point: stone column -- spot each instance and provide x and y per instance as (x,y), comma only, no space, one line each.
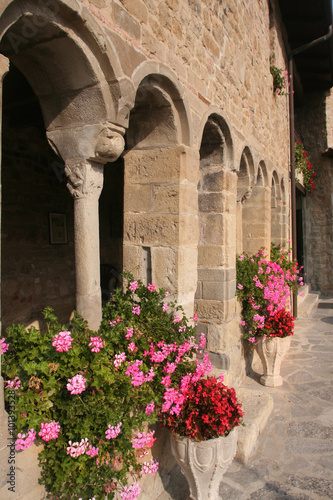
(85,182)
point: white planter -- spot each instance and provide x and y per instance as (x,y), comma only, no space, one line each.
(204,463)
(271,352)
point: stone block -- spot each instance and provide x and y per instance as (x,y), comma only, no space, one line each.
(211,45)
(213,290)
(152,229)
(257,408)
(189,164)
(213,274)
(188,230)
(125,21)
(137,198)
(188,199)
(131,258)
(211,255)
(210,309)
(164,268)
(210,202)
(153,165)
(187,269)
(166,198)
(137,8)
(213,229)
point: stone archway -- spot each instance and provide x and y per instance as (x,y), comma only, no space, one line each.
(56,45)
(245,215)
(256,214)
(276,211)
(216,261)
(160,202)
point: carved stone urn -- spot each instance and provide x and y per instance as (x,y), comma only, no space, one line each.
(271,351)
(204,463)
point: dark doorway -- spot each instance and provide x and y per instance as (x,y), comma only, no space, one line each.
(36,269)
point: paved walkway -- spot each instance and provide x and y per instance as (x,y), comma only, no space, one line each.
(294,455)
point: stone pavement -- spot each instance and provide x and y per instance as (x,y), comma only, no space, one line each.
(293,458)
(294,454)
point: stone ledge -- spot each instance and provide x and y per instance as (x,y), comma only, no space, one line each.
(308,303)
(257,408)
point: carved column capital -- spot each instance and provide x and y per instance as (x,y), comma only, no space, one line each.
(110,144)
(84,177)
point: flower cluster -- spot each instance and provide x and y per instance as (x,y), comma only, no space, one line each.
(62,341)
(90,397)
(77,384)
(25,441)
(3,346)
(281,81)
(96,344)
(77,449)
(49,430)
(208,410)
(113,431)
(264,288)
(304,167)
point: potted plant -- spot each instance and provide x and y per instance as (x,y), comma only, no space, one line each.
(90,397)
(264,289)
(304,168)
(281,82)
(203,418)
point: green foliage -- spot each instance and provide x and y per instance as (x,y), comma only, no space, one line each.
(110,396)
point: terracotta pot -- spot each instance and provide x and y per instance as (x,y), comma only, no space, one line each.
(271,352)
(204,463)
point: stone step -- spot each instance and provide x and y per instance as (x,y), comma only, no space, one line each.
(307,303)
(257,408)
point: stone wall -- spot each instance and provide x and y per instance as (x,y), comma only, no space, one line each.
(35,273)
(316,135)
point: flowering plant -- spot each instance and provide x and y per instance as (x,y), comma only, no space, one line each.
(209,409)
(264,289)
(304,167)
(90,396)
(281,82)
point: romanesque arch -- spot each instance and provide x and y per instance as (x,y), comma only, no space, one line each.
(216,260)
(160,203)
(276,210)
(61,52)
(245,216)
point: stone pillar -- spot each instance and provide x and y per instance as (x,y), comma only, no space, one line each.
(256,220)
(85,182)
(161,219)
(215,297)
(85,185)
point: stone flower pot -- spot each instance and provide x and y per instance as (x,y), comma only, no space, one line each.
(271,351)
(204,463)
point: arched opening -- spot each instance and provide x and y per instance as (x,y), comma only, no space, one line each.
(111,222)
(69,69)
(276,211)
(160,203)
(246,213)
(216,258)
(37,254)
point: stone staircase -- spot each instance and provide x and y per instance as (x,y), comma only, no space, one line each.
(307,302)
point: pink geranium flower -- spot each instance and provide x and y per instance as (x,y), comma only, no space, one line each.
(62,341)
(49,430)
(76,385)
